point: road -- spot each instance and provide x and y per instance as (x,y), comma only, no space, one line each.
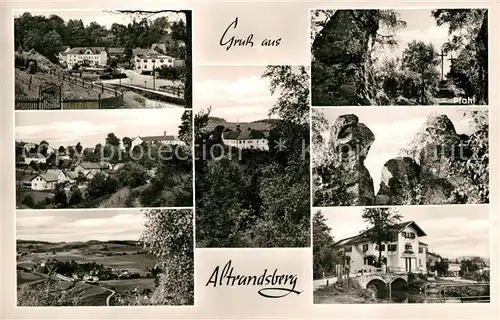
(137,79)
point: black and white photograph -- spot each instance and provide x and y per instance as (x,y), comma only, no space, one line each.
(399,57)
(109,59)
(104,160)
(135,257)
(400,156)
(252,167)
(401,255)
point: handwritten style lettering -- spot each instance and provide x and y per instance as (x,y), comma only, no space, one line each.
(275,285)
(233,41)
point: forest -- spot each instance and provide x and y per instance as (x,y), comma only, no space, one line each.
(255,198)
(349,67)
(47,35)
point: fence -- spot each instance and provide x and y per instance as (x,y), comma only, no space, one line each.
(50,98)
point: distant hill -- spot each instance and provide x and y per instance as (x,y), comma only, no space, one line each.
(120,245)
(262,125)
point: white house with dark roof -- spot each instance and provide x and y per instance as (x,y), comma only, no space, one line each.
(405,254)
(47,180)
(246,139)
(158,140)
(91,56)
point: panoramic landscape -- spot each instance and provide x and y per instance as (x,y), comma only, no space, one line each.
(401,255)
(252,166)
(102,59)
(105,258)
(80,160)
(399,57)
(400,156)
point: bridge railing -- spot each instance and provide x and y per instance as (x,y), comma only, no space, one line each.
(459,296)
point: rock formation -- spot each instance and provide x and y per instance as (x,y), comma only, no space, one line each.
(341,68)
(350,142)
(429,179)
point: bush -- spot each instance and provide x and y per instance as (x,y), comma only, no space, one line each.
(28,201)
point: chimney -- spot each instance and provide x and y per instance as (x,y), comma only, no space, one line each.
(164,133)
(238,127)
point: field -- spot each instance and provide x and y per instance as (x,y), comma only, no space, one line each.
(121,255)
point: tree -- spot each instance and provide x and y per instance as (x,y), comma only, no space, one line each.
(61,150)
(382,226)
(468,29)
(422,59)
(127,143)
(75,197)
(133,175)
(441,267)
(324,256)
(112,140)
(186,128)
(169,235)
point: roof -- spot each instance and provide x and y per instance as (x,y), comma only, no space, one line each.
(141,51)
(244,135)
(422,243)
(35,155)
(363,236)
(93,165)
(116,50)
(160,46)
(433,254)
(159,138)
(81,50)
(72,174)
(49,175)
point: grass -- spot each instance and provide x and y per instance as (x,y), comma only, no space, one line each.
(69,90)
(26,277)
(129,284)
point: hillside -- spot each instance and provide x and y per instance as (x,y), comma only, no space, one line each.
(263,124)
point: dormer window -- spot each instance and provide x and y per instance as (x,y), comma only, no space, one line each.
(365,247)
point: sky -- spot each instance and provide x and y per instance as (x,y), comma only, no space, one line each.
(91,127)
(106,18)
(79,225)
(452,231)
(394,128)
(420,26)
(235,93)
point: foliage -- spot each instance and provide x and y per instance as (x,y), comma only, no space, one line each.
(475,169)
(382,226)
(324,256)
(28,201)
(169,235)
(468,29)
(44,295)
(75,196)
(101,185)
(133,175)
(256,198)
(422,59)
(441,267)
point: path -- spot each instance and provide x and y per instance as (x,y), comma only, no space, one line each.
(109,297)
(322,282)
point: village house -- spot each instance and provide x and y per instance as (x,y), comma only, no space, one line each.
(116,52)
(432,259)
(62,55)
(246,139)
(405,254)
(90,169)
(36,158)
(90,56)
(157,140)
(49,179)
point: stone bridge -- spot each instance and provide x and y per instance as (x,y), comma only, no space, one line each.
(377,279)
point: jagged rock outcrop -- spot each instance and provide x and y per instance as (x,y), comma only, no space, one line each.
(341,66)
(429,179)
(350,141)
(399,180)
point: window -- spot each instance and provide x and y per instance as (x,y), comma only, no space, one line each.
(161,60)
(154,60)
(382,248)
(145,60)
(403,234)
(408,248)
(365,247)
(137,60)
(420,249)
(348,249)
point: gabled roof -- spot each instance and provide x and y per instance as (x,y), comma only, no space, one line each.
(160,46)
(93,165)
(82,50)
(159,138)
(116,50)
(48,176)
(244,135)
(363,236)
